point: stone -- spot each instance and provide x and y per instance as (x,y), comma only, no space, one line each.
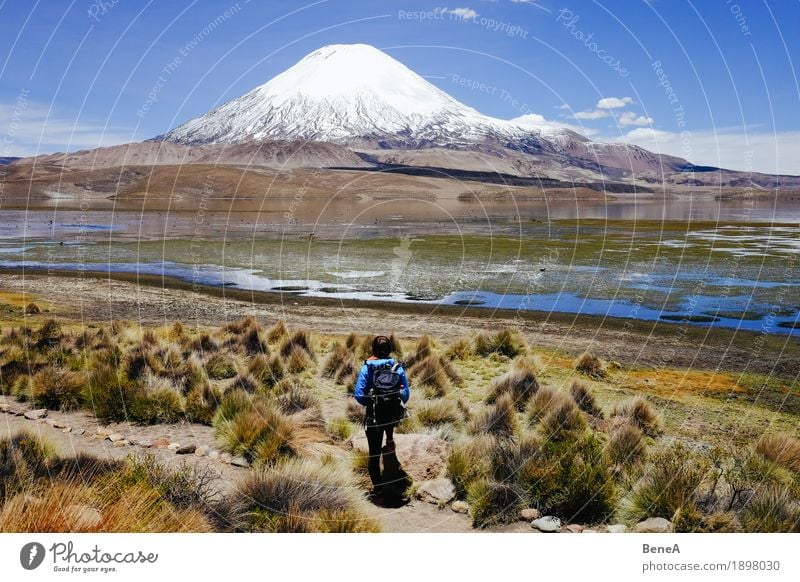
(437,491)
(16,411)
(161,443)
(653,525)
(78,431)
(547,524)
(573,528)
(139,443)
(617,528)
(213,455)
(115,437)
(530,514)
(202,451)
(240,462)
(186,449)
(83,517)
(225,458)
(122,443)
(460,507)
(56,423)
(4,406)
(421,456)
(36,414)
(103,432)
(173,446)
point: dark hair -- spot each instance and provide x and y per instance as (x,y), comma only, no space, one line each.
(381,347)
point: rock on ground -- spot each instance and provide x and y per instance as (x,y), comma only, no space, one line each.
(460,507)
(530,514)
(186,450)
(617,528)
(653,525)
(438,491)
(548,523)
(36,414)
(422,456)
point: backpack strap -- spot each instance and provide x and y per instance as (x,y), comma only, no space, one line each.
(396,365)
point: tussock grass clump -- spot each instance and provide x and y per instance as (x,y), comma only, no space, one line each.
(233,402)
(346,375)
(583,397)
(468,461)
(268,371)
(782,449)
(338,357)
(543,402)
(296,398)
(520,383)
(49,334)
(626,445)
(301,339)
(506,342)
(160,406)
(277,332)
(204,343)
(499,419)
(352,341)
(437,412)
(590,365)
(32,309)
(257,430)
(772,510)
(202,402)
(300,496)
(641,414)
(460,349)
(430,374)
(494,503)
(670,483)
(221,366)
(355,412)
(297,360)
(252,341)
(109,393)
(195,375)
(57,389)
(23,459)
(149,337)
(186,487)
(423,350)
(339,428)
(562,422)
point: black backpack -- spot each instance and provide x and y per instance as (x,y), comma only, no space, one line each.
(386,405)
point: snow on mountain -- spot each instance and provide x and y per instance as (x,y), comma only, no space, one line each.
(355,95)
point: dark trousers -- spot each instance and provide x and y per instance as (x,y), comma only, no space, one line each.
(375,442)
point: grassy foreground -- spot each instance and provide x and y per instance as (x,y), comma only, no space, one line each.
(589,441)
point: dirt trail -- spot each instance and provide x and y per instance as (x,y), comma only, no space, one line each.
(415,517)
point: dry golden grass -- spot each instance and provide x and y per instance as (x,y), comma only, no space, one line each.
(641,414)
(590,365)
(782,449)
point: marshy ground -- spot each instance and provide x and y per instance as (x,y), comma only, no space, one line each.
(265,379)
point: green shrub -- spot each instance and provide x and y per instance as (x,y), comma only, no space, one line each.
(437,412)
(161,406)
(23,459)
(772,510)
(109,393)
(202,403)
(233,402)
(340,428)
(296,398)
(459,350)
(268,371)
(543,402)
(469,461)
(562,422)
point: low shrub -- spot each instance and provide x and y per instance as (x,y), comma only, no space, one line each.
(161,406)
(297,360)
(296,398)
(423,350)
(469,461)
(202,403)
(562,422)
(299,340)
(340,428)
(246,382)
(460,349)
(772,510)
(543,402)
(268,371)
(32,309)
(277,332)
(221,366)
(23,459)
(437,412)
(355,412)
(430,374)
(494,503)
(338,357)
(109,393)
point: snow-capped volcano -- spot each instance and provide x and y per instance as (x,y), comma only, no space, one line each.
(353,94)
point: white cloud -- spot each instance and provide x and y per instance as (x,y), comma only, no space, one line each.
(564,106)
(592,114)
(771,153)
(534,120)
(613,102)
(29,128)
(463,13)
(627,118)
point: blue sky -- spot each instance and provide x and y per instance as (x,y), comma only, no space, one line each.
(714,82)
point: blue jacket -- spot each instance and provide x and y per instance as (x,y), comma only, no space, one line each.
(361,388)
